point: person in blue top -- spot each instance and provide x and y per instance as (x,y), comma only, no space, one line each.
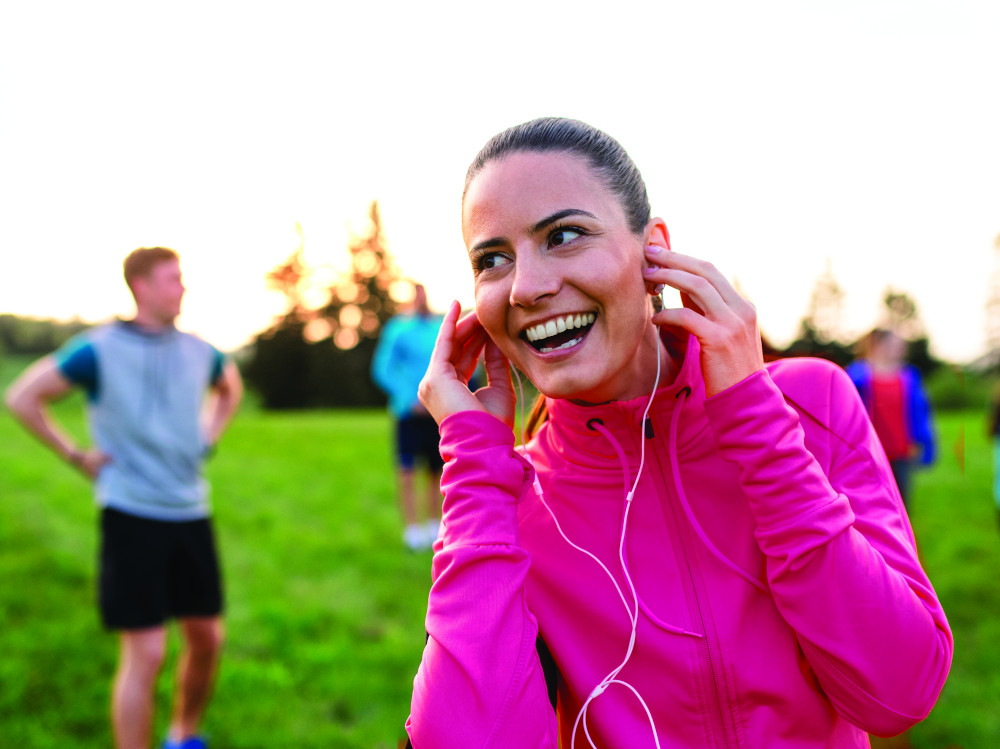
(400,361)
(146,384)
(897,404)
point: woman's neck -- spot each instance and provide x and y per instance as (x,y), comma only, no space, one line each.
(640,372)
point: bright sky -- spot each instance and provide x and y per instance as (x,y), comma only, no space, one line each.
(774,136)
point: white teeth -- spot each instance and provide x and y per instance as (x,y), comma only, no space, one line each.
(547,349)
(559,325)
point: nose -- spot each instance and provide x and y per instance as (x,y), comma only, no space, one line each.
(535,277)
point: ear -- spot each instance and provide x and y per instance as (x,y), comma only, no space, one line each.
(656,233)
(139,288)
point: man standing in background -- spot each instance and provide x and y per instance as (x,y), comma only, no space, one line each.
(146,384)
(400,361)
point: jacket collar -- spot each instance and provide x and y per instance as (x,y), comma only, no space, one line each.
(567,431)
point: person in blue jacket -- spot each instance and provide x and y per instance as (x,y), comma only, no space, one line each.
(897,404)
(400,361)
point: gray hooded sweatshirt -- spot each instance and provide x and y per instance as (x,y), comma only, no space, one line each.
(145,392)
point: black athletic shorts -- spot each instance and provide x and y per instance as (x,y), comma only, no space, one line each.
(417,437)
(152,570)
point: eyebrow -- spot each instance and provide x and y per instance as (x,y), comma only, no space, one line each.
(559,215)
(535,228)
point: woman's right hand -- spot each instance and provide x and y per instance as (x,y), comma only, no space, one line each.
(444,389)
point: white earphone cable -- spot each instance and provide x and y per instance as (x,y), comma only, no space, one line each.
(633,613)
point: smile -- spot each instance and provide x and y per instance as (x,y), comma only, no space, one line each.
(559,332)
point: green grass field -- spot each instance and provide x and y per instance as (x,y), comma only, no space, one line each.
(325,609)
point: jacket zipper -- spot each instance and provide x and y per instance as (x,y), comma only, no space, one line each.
(712,660)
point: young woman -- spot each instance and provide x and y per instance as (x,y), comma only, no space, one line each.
(704,551)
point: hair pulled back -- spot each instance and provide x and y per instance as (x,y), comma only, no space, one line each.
(605,156)
(602,153)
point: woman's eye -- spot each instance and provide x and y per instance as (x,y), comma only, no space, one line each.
(562,236)
(493,260)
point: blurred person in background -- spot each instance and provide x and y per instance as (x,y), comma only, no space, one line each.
(994,429)
(146,384)
(400,361)
(897,404)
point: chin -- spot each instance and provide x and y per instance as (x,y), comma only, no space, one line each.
(570,388)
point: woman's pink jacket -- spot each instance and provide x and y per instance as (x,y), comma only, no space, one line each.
(780,599)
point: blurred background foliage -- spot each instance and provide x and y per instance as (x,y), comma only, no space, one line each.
(317,354)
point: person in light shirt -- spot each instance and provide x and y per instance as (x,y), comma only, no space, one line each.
(146,383)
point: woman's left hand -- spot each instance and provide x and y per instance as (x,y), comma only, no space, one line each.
(724,323)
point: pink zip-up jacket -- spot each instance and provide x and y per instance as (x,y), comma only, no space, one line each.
(781,603)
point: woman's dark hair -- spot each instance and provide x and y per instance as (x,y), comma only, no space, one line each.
(602,153)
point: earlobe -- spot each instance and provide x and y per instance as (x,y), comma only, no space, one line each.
(657,233)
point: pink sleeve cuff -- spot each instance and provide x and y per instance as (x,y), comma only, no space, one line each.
(482,481)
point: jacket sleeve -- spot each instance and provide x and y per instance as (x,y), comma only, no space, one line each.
(840,556)
(480,682)
(921,419)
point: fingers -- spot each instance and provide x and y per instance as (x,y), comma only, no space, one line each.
(444,387)
(701,284)
(724,323)
(459,343)
(497,367)
(470,337)
(498,395)
(446,335)
(92,462)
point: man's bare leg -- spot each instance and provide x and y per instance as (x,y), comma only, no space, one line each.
(196,669)
(413,533)
(433,504)
(139,662)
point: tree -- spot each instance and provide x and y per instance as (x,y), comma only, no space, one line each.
(36,337)
(321,357)
(362,303)
(288,278)
(900,315)
(991,360)
(826,306)
(820,330)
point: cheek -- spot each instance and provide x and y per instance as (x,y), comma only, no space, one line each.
(623,281)
(491,309)
(629,304)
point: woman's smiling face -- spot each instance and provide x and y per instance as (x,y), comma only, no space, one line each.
(558,277)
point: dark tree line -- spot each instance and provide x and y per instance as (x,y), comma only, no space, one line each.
(820,330)
(35,337)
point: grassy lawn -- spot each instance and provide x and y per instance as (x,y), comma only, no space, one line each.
(956,524)
(325,609)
